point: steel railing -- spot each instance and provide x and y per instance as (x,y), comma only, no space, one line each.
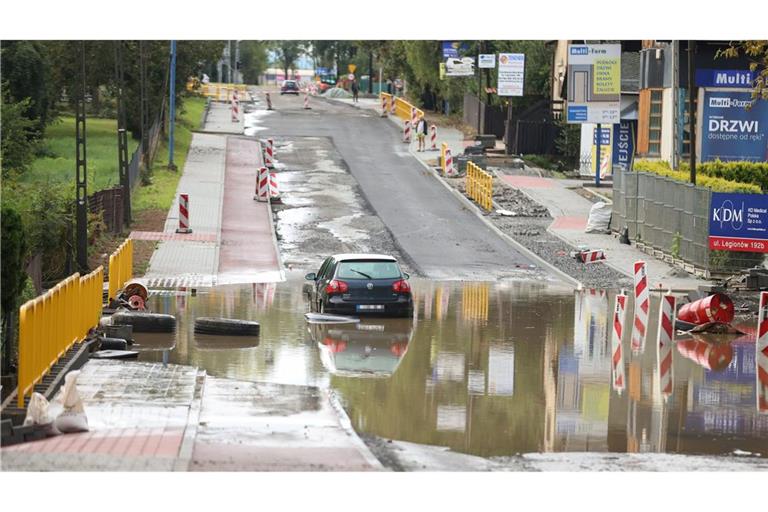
(120,268)
(50,324)
(403,109)
(479,186)
(223,92)
(474,301)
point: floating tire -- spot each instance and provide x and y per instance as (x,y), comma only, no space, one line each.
(145,322)
(226,326)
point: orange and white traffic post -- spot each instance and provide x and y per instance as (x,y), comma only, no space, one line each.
(184,214)
(666,340)
(617,354)
(642,305)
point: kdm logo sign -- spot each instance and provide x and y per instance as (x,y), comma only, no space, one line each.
(728,213)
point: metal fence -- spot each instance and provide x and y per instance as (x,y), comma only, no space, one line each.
(531,137)
(670,220)
(492,118)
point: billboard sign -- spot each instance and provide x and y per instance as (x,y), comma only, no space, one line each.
(594,83)
(738,222)
(731,132)
(605,151)
(734,78)
(511,74)
(456,59)
(624,145)
(487,60)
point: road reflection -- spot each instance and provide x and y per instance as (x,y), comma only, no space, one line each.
(491,368)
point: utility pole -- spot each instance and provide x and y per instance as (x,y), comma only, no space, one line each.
(229,61)
(172,106)
(143,105)
(81,170)
(370,73)
(479,87)
(122,135)
(237,61)
(691,108)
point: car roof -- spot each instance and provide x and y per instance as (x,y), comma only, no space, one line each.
(362,256)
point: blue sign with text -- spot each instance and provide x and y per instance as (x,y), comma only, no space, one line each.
(736,78)
(454,49)
(732,132)
(624,145)
(738,222)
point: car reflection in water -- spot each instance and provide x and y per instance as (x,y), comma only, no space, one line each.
(371,348)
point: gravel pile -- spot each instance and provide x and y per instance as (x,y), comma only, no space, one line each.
(529,227)
(337,92)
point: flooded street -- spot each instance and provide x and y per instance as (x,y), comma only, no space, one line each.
(489,369)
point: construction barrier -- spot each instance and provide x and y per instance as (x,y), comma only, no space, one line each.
(184,214)
(617,354)
(269,154)
(666,340)
(306,102)
(274,192)
(262,184)
(383,106)
(406,131)
(715,308)
(224,92)
(433,137)
(403,109)
(393,105)
(269,101)
(479,185)
(592,256)
(642,304)
(120,268)
(761,352)
(50,324)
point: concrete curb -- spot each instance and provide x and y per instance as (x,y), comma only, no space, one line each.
(514,243)
(346,425)
(187,447)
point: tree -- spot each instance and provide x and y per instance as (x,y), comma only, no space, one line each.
(13,276)
(287,52)
(757,52)
(26,72)
(18,137)
(253,60)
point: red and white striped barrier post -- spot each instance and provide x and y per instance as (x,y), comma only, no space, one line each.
(433,137)
(761,355)
(235,109)
(406,131)
(449,170)
(269,101)
(269,154)
(274,192)
(262,184)
(383,106)
(642,304)
(414,117)
(666,339)
(184,214)
(306,102)
(617,355)
(392,104)
(597,256)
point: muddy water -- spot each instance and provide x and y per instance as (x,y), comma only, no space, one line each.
(490,369)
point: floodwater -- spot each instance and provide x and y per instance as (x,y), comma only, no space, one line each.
(490,369)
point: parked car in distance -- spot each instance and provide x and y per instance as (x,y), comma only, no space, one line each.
(354,284)
(289,87)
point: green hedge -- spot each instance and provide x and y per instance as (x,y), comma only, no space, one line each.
(717,184)
(742,172)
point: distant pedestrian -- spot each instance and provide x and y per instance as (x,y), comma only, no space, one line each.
(421,132)
(389,86)
(355,90)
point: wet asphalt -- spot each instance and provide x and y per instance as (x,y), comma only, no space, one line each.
(438,237)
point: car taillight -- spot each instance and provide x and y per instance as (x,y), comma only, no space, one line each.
(401,286)
(335,287)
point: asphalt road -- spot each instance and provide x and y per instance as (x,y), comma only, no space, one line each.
(439,236)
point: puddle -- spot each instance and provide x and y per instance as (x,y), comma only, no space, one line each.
(490,369)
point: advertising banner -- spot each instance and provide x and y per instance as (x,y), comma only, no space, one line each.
(456,59)
(594,83)
(624,145)
(738,222)
(731,132)
(605,151)
(511,74)
(735,78)
(487,60)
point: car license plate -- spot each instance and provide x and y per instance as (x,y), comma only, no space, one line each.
(370,307)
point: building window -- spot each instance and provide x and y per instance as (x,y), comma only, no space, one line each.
(685,150)
(654,124)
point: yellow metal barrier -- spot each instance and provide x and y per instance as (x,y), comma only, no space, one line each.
(443,149)
(223,92)
(479,186)
(402,107)
(120,268)
(50,324)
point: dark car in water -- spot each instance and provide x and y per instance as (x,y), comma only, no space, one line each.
(289,87)
(354,284)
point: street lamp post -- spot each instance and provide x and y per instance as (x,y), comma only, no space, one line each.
(172,106)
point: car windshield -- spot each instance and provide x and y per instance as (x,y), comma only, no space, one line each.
(368,270)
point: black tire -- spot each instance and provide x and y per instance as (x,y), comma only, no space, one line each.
(145,322)
(226,326)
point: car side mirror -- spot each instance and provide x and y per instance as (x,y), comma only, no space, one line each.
(311,277)
(406,275)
